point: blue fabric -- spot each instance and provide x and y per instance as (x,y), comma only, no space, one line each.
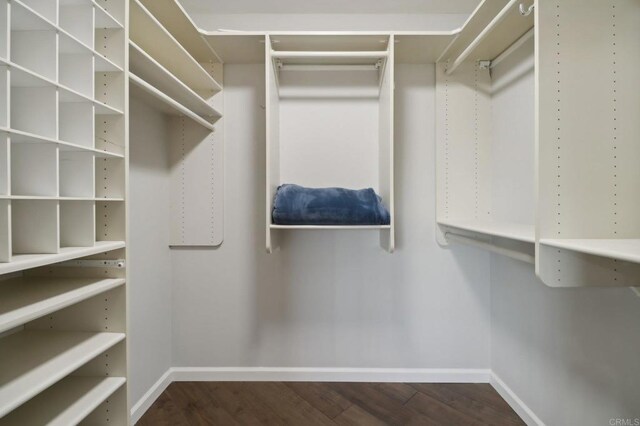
(297,205)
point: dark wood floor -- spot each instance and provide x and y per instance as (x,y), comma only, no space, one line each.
(275,403)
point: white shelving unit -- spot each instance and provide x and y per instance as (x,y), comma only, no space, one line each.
(63,158)
(304,134)
(176,72)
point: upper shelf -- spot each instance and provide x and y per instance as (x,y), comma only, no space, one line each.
(152,37)
(490,30)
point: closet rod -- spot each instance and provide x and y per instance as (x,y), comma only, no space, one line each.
(494,22)
(314,67)
(326,54)
(509,50)
(491,247)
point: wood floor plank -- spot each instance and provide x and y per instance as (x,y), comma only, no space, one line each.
(356,416)
(233,398)
(255,406)
(372,400)
(440,412)
(196,407)
(322,397)
(163,412)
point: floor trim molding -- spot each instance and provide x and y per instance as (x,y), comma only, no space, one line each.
(154,392)
(518,405)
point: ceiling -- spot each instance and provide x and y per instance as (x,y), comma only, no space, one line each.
(331,6)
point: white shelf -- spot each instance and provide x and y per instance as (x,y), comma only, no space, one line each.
(621,249)
(66,403)
(512,231)
(20,136)
(147,68)
(53,198)
(104,19)
(34,360)
(148,33)
(25,299)
(21,262)
(151,95)
(329,227)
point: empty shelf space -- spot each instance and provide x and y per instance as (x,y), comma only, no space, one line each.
(68,402)
(621,249)
(34,360)
(104,19)
(21,262)
(512,231)
(147,68)
(151,95)
(25,299)
(148,33)
(26,18)
(330,227)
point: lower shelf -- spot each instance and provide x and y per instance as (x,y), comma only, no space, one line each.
(621,249)
(34,360)
(21,262)
(337,227)
(66,403)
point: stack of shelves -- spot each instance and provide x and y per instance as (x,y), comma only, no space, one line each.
(62,197)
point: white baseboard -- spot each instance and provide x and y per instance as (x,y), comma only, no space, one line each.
(525,413)
(141,407)
(256,374)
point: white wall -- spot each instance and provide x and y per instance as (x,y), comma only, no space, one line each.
(570,354)
(330,298)
(150,312)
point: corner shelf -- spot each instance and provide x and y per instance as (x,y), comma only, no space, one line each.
(34,360)
(68,402)
(23,300)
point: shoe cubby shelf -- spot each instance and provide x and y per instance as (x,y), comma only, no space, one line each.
(584,123)
(63,161)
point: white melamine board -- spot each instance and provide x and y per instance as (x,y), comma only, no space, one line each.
(272,144)
(238,48)
(34,360)
(104,19)
(110,220)
(5,231)
(26,18)
(151,71)
(24,137)
(512,231)
(110,134)
(420,49)
(76,72)
(109,89)
(386,145)
(35,227)
(46,8)
(114,8)
(34,169)
(588,132)
(623,249)
(330,42)
(25,299)
(110,44)
(463,148)
(77,223)
(110,178)
(77,19)
(113,411)
(36,51)
(4,96)
(197,164)
(28,261)
(4,30)
(68,402)
(77,174)
(5,176)
(76,123)
(33,110)
(148,33)
(175,19)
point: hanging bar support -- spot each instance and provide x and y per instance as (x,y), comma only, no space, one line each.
(86,263)
(509,50)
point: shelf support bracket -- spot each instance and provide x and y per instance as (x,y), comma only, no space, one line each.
(86,263)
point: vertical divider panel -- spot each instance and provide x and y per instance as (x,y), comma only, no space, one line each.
(272,104)
(5,164)
(4,29)
(5,231)
(4,96)
(386,145)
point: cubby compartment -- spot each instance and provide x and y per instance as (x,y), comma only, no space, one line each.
(115,9)
(33,41)
(76,123)
(45,8)
(34,169)
(77,223)
(76,18)
(109,43)
(5,145)
(4,96)
(109,89)
(34,227)
(5,231)
(109,178)
(76,72)
(4,29)
(110,220)
(33,110)
(110,133)
(77,174)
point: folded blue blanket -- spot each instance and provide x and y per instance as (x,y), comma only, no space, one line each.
(297,205)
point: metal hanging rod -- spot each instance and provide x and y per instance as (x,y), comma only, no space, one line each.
(526,11)
(514,254)
(336,67)
(328,55)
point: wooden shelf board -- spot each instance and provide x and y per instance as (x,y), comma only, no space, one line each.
(512,231)
(68,402)
(148,33)
(147,68)
(621,249)
(18,136)
(20,262)
(34,360)
(149,94)
(329,227)
(25,299)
